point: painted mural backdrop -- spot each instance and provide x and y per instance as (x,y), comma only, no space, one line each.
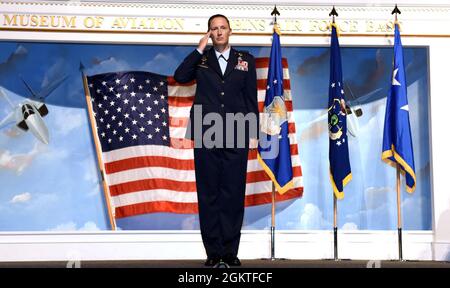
(49,179)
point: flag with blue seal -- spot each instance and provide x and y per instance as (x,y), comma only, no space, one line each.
(274,152)
(340,171)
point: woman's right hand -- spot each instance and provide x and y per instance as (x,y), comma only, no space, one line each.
(204,41)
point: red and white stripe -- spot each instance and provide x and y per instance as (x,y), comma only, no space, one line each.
(151,178)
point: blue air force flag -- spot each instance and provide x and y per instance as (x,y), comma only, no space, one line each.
(340,172)
(397,142)
(274,152)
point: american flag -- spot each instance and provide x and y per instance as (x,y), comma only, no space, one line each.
(141,121)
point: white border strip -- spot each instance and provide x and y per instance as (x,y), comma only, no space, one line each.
(165,245)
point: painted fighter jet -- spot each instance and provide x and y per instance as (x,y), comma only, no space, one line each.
(28,114)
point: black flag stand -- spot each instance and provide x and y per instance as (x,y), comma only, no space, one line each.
(399,208)
(335,229)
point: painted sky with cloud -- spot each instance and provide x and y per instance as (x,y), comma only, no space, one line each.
(57,186)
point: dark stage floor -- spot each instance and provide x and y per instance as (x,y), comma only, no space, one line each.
(245,264)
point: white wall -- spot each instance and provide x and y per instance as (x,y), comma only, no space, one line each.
(165,245)
(439,63)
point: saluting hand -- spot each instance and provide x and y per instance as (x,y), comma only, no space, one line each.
(204,41)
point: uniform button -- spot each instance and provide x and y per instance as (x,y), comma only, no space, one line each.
(221,105)
(222,93)
(223,81)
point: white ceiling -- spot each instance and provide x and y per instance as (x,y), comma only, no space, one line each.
(427,3)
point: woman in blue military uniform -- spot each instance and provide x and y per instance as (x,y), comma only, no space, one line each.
(226,88)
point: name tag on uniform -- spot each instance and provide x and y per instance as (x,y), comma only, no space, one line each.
(242,65)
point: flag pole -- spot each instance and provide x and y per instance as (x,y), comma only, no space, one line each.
(396,11)
(335,228)
(274,86)
(272,227)
(333,13)
(399,217)
(97,148)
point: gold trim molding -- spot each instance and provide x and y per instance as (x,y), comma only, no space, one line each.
(236,33)
(297,20)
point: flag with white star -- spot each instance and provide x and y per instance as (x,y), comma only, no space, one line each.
(397,140)
(130,109)
(340,171)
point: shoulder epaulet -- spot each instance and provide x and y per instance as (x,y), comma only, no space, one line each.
(242,52)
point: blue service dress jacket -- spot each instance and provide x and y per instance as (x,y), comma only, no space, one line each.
(227,95)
